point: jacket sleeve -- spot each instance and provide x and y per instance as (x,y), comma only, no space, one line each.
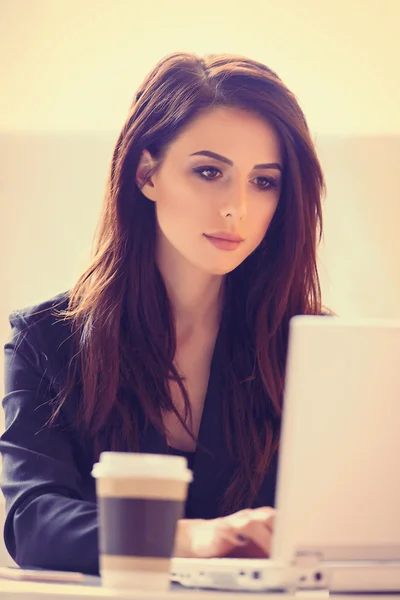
(48,524)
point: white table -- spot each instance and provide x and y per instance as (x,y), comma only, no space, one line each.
(22,590)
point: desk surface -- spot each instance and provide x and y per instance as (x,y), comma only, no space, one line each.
(23,590)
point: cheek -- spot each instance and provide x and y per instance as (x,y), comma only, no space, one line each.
(174,219)
(181,206)
(259,220)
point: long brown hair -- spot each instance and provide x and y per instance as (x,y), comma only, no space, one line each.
(119,309)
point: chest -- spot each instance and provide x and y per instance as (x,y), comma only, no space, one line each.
(193,365)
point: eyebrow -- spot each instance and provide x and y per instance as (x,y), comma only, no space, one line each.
(230,163)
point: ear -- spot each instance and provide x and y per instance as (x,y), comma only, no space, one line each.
(146,185)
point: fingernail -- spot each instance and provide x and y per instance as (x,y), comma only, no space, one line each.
(242,538)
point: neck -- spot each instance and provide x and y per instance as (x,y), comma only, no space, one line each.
(196,296)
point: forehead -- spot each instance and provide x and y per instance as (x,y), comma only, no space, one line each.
(240,135)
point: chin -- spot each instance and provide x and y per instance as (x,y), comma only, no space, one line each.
(221,269)
(221,265)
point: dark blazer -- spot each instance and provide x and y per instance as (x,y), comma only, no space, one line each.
(50,494)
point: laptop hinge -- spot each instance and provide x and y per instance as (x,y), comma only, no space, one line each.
(309,575)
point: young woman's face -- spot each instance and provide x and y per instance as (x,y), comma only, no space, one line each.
(202,199)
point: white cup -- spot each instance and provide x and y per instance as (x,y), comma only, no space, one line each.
(140,499)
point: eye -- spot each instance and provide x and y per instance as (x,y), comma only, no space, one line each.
(205,169)
(267,183)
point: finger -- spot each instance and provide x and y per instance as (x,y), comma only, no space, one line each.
(257,532)
(250,550)
(263,512)
(226,531)
(270,524)
(265,515)
(215,538)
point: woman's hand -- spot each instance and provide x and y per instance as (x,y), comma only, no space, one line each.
(247,533)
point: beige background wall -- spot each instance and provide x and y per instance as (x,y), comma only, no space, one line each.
(74,64)
(68,72)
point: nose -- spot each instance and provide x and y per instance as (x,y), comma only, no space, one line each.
(235,205)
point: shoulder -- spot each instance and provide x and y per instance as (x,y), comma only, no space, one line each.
(39,327)
(42,313)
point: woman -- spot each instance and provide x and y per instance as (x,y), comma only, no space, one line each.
(174,340)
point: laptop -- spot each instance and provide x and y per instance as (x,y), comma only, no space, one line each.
(338,490)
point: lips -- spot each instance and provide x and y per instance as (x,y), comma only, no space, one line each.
(224,240)
(225,235)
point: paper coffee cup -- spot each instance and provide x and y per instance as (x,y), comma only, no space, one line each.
(140,499)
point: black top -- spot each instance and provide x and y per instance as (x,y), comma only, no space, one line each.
(50,494)
(185,453)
